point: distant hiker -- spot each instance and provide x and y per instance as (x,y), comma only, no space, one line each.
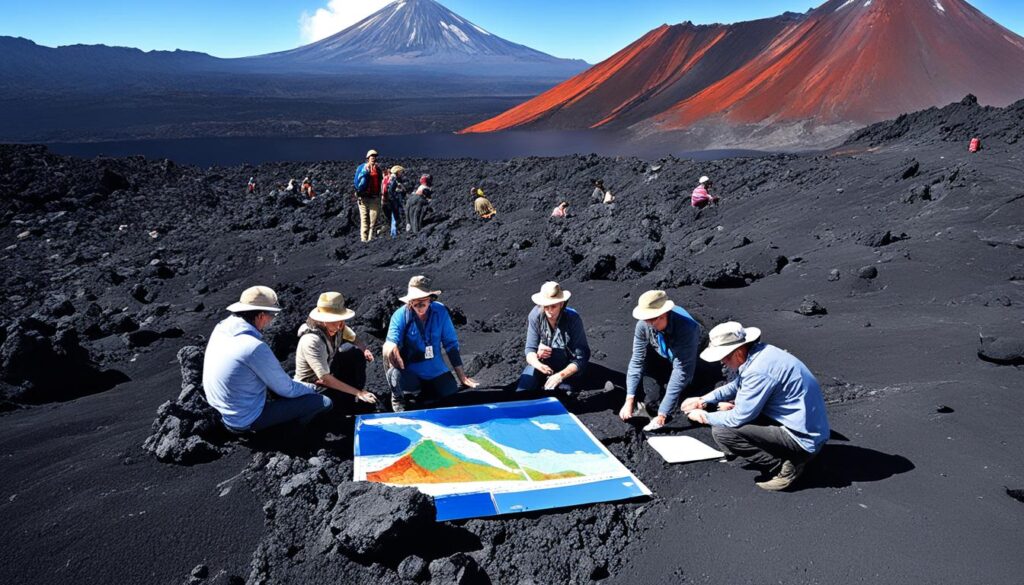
(307,188)
(251,187)
(599,191)
(561,210)
(772,413)
(239,369)
(975,145)
(416,209)
(675,338)
(418,331)
(368,180)
(393,200)
(556,343)
(481,205)
(325,340)
(291,186)
(700,197)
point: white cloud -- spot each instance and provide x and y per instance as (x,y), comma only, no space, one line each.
(336,17)
(546,426)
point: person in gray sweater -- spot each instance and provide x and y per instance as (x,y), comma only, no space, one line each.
(557,351)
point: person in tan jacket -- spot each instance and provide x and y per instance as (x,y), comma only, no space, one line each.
(482,206)
(325,338)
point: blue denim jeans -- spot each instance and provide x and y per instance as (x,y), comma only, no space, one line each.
(302,408)
(405,384)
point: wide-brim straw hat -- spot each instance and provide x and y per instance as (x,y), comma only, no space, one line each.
(725,338)
(330,308)
(551,293)
(419,287)
(256,298)
(651,304)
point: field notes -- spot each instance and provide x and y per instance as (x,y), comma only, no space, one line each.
(683,449)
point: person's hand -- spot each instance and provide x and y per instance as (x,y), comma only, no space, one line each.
(395,359)
(545,369)
(626,412)
(368,397)
(723,406)
(698,416)
(469,382)
(368,354)
(543,352)
(692,403)
(553,381)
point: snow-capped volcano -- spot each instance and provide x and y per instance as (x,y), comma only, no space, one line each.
(419,33)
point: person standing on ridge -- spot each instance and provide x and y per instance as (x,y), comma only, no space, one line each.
(368,180)
(239,369)
(772,413)
(251,188)
(674,336)
(481,205)
(393,200)
(700,198)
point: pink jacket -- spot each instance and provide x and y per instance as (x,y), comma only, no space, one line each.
(699,195)
(558,212)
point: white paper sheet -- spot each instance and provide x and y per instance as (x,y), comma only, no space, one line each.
(683,449)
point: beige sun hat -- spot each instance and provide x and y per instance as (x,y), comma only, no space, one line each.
(256,298)
(726,337)
(397,169)
(419,288)
(370,153)
(330,308)
(551,293)
(651,304)
(703,180)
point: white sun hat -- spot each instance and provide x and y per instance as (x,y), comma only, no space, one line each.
(330,308)
(703,180)
(551,293)
(726,337)
(419,288)
(651,304)
(256,298)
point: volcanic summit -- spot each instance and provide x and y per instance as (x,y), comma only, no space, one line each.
(841,65)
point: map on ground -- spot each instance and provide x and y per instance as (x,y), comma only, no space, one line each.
(492,459)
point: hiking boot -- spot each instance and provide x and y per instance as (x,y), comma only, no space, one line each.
(788,473)
(398,404)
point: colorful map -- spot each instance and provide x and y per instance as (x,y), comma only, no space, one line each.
(492,459)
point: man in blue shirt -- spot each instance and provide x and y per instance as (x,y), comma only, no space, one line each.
(772,413)
(239,368)
(675,338)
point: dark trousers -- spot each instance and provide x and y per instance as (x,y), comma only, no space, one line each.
(416,213)
(763,442)
(283,410)
(406,384)
(348,366)
(533,381)
(657,371)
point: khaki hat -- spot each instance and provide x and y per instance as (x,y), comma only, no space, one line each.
(370,153)
(419,288)
(550,294)
(397,169)
(724,338)
(651,304)
(330,308)
(256,298)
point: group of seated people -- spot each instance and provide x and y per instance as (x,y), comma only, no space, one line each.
(772,412)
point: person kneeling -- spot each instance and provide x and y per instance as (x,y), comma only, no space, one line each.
(324,337)
(239,369)
(418,332)
(771,414)
(556,343)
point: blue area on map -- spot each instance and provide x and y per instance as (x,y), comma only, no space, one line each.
(459,506)
(371,440)
(480,505)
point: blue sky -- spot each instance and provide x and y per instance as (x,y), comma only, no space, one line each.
(586,29)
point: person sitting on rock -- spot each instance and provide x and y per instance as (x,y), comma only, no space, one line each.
(239,369)
(481,205)
(556,343)
(416,209)
(772,413)
(393,199)
(675,338)
(307,188)
(561,210)
(368,180)
(325,339)
(700,197)
(418,331)
(599,191)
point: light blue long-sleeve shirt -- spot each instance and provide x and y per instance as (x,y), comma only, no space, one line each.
(413,338)
(774,383)
(239,368)
(681,339)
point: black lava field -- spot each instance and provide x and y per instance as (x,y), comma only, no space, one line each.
(893,266)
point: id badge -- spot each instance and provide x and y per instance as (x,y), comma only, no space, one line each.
(429,353)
